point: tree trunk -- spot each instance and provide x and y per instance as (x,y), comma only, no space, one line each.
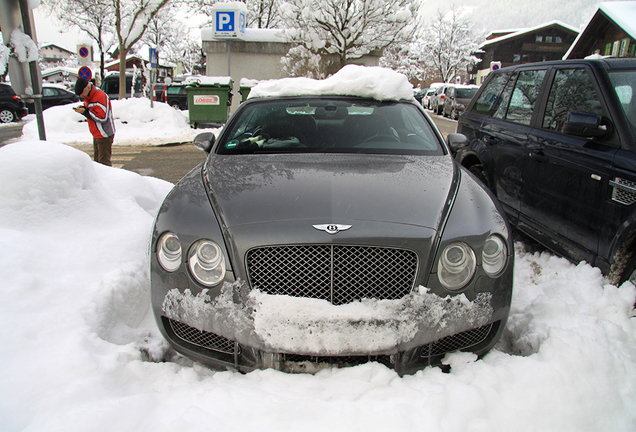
(123,53)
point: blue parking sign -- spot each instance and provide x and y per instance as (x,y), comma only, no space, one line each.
(224,21)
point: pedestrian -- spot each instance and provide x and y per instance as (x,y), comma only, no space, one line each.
(99,113)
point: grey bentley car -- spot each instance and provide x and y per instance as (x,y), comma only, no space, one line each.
(329,231)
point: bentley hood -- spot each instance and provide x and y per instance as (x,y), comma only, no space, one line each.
(253,189)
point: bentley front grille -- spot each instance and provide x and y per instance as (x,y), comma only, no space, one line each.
(456,342)
(339,274)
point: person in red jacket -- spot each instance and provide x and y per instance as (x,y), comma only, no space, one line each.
(99,113)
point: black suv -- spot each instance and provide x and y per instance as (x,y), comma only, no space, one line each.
(556,142)
(12,108)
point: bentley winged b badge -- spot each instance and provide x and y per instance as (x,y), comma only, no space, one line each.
(332,228)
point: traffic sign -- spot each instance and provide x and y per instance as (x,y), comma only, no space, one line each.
(494,65)
(85,72)
(84,56)
(229,20)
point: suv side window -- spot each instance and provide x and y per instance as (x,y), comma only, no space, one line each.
(572,90)
(524,96)
(490,97)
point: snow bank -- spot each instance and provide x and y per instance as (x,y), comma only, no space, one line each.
(80,350)
(136,123)
(352,80)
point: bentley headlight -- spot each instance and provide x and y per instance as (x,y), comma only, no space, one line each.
(456,265)
(169,252)
(206,262)
(494,255)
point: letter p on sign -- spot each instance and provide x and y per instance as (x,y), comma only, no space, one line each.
(225,21)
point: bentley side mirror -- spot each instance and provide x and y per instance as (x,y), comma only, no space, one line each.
(204,141)
(456,141)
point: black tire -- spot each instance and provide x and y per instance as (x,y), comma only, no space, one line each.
(175,105)
(6,116)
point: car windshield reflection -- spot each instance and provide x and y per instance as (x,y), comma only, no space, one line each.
(329,126)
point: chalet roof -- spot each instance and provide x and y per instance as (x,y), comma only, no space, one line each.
(623,13)
(525,31)
(56,46)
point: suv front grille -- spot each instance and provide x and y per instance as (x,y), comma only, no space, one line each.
(339,274)
(624,191)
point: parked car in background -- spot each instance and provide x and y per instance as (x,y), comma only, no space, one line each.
(456,99)
(110,85)
(419,94)
(12,108)
(160,93)
(302,205)
(437,102)
(426,100)
(556,142)
(54,95)
(177,96)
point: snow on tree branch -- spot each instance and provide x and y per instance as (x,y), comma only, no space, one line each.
(346,29)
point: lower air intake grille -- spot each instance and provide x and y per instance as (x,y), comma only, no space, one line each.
(339,361)
(456,342)
(202,338)
(339,274)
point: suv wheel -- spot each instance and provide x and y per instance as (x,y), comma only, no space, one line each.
(175,105)
(6,116)
(479,172)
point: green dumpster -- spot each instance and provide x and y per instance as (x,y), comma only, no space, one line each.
(246,85)
(209,100)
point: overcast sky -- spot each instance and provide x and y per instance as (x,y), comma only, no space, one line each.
(487,15)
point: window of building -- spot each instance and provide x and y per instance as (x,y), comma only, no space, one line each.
(548,39)
(538,39)
(624,47)
(558,39)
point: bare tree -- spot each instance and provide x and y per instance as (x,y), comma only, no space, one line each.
(347,29)
(94,17)
(449,43)
(131,21)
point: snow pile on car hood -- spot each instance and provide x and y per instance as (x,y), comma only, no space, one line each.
(352,80)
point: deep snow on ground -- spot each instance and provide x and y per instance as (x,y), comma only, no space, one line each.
(80,350)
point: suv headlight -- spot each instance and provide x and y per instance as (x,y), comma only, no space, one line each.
(206,262)
(456,266)
(169,252)
(494,255)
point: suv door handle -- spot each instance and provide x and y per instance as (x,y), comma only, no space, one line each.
(539,157)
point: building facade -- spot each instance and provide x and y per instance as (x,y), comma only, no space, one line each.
(548,41)
(610,32)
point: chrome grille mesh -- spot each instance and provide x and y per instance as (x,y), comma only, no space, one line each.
(456,342)
(202,338)
(624,191)
(339,274)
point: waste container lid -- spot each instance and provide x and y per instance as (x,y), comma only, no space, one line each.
(208,80)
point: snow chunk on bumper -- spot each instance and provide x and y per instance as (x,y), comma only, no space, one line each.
(277,323)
